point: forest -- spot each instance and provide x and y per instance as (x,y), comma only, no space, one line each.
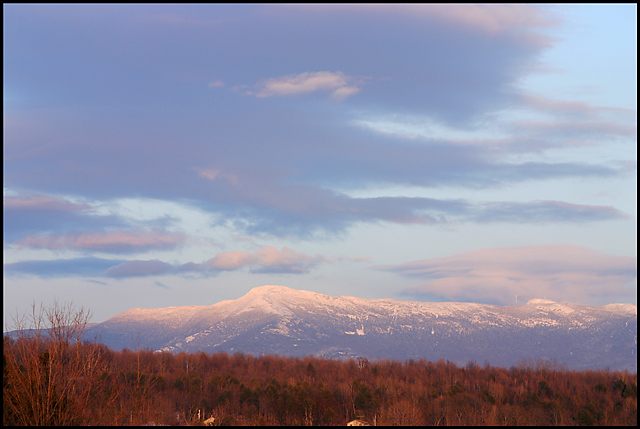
(53,376)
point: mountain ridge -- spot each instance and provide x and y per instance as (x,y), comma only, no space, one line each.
(274,319)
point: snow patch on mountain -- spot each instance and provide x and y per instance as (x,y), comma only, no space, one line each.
(622,308)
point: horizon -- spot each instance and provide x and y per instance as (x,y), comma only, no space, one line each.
(529,302)
(161,155)
(281,320)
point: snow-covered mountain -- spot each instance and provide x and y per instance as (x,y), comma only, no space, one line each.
(281,320)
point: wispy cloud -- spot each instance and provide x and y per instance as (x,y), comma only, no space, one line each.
(215,173)
(110,242)
(335,213)
(74,267)
(267,260)
(276,168)
(572,107)
(138,268)
(222,108)
(568,131)
(495,18)
(41,202)
(488,18)
(561,272)
(33,215)
(336,84)
(545,211)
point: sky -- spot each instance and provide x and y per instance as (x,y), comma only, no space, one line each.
(169,155)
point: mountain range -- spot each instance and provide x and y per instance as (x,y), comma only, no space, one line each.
(285,321)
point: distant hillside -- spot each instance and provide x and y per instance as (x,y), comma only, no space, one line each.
(281,320)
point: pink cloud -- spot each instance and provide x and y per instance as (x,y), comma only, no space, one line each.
(560,272)
(267,259)
(215,173)
(487,18)
(228,261)
(344,92)
(576,123)
(571,107)
(112,242)
(493,18)
(337,84)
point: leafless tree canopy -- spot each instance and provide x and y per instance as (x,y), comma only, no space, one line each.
(50,372)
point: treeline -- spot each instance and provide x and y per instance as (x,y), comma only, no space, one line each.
(59,380)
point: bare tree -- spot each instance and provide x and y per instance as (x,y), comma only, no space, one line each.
(50,372)
(404,412)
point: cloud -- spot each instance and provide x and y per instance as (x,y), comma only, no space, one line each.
(426,48)
(266,166)
(27,215)
(229,261)
(493,19)
(110,242)
(336,84)
(98,282)
(84,267)
(571,130)
(560,272)
(569,123)
(572,107)
(41,202)
(139,269)
(265,199)
(335,213)
(214,173)
(266,260)
(162,285)
(544,211)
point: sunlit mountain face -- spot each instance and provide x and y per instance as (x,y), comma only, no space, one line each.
(285,321)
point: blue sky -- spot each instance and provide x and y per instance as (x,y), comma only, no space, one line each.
(165,155)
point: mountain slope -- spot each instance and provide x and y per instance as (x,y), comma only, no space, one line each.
(277,319)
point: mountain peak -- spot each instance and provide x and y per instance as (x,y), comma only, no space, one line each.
(269,299)
(540,301)
(269,289)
